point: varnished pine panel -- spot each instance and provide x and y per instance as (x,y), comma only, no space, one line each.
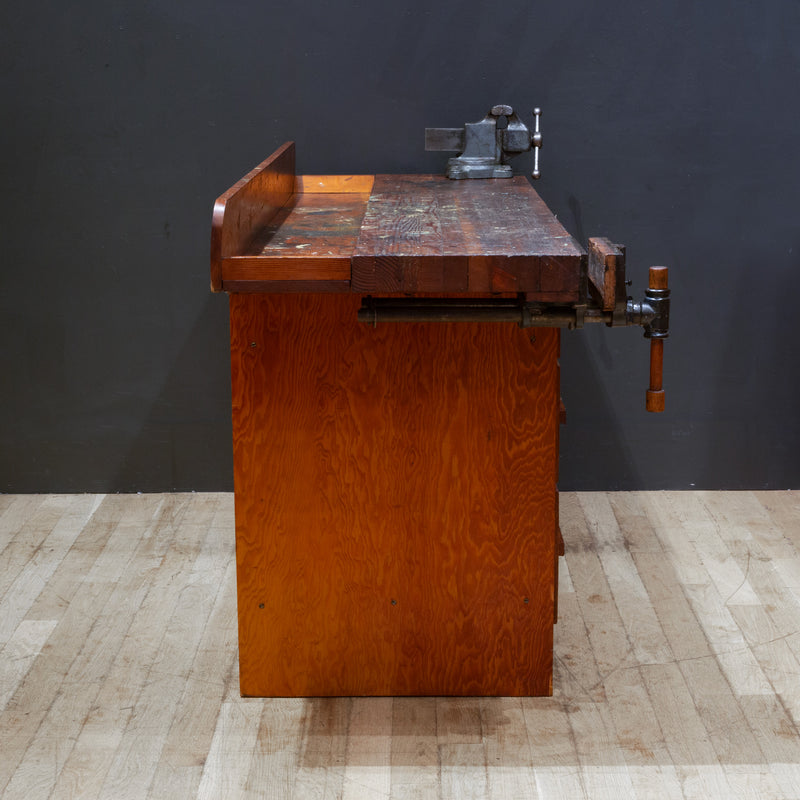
(395,502)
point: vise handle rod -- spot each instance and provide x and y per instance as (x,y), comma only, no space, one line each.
(652,314)
(658,291)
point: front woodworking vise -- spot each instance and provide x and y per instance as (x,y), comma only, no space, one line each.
(485,148)
(487,145)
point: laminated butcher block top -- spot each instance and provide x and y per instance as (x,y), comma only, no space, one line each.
(274,231)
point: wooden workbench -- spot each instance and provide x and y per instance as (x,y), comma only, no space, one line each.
(396,486)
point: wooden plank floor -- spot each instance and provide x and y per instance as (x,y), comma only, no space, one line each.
(677,664)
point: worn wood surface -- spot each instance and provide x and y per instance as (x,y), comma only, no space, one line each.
(606,269)
(248,206)
(676,662)
(311,238)
(396,502)
(391,233)
(333,184)
(429,234)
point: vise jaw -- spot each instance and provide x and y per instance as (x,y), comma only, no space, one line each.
(486,146)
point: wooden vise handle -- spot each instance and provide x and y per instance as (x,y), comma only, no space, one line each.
(655,394)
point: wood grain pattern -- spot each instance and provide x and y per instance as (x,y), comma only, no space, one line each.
(395,502)
(401,233)
(665,723)
(333,184)
(292,286)
(310,239)
(312,225)
(248,206)
(120,765)
(606,268)
(429,234)
(265,269)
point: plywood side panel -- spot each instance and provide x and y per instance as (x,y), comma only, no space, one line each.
(395,502)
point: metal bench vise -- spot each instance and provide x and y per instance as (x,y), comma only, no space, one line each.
(487,145)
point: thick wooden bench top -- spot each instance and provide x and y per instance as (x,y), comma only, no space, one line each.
(274,232)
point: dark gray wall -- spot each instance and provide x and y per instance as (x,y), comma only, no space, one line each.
(669,126)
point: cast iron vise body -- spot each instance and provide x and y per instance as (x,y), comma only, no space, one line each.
(487,145)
